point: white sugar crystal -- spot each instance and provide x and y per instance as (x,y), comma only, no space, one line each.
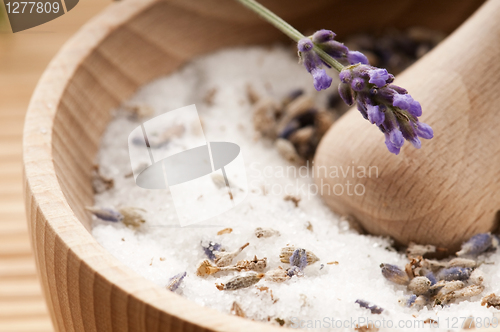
(160,249)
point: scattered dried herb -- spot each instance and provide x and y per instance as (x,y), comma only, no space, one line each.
(241,281)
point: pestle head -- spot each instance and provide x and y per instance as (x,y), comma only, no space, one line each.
(448,190)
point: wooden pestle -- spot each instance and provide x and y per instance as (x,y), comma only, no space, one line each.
(448,190)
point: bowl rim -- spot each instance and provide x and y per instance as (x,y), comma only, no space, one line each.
(44,196)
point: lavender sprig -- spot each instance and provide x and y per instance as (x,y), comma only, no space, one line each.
(384,104)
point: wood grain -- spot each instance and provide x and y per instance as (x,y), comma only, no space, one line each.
(448,190)
(23,57)
(104,63)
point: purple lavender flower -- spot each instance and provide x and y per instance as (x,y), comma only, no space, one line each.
(210,248)
(375,114)
(378,77)
(107,214)
(395,274)
(387,106)
(384,104)
(355,57)
(478,244)
(313,64)
(455,273)
(375,309)
(299,259)
(175,281)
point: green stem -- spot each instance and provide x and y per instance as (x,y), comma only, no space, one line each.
(288,30)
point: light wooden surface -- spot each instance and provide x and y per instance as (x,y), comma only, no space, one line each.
(448,190)
(129,44)
(23,58)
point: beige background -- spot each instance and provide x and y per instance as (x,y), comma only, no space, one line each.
(23,57)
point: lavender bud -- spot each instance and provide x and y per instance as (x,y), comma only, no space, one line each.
(299,259)
(322,36)
(294,271)
(305,45)
(375,115)
(107,214)
(454,273)
(358,84)
(210,248)
(398,89)
(321,80)
(378,77)
(432,278)
(424,131)
(402,101)
(241,281)
(362,109)
(355,57)
(375,309)
(334,49)
(415,142)
(396,138)
(409,301)
(395,274)
(345,76)
(391,147)
(345,93)
(477,244)
(175,281)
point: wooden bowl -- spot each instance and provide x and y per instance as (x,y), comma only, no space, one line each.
(129,44)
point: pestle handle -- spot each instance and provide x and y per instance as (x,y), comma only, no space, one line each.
(449,189)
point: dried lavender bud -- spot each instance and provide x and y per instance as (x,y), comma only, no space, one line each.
(408,301)
(469,291)
(299,259)
(454,273)
(287,252)
(478,244)
(108,214)
(419,285)
(264,117)
(175,281)
(206,268)
(462,262)
(277,275)
(223,258)
(395,274)
(476,277)
(266,232)
(210,249)
(166,136)
(431,277)
(237,311)
(287,150)
(415,250)
(241,281)
(373,308)
(100,183)
(131,216)
(255,264)
(491,301)
(294,271)
(313,64)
